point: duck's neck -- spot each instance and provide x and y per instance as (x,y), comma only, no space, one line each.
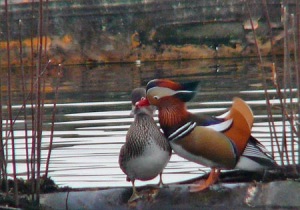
(172,116)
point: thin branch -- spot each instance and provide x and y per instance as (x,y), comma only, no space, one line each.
(3,161)
(272,126)
(52,122)
(38,103)
(9,105)
(297,69)
(24,101)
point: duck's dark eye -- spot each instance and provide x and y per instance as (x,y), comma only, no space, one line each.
(156,97)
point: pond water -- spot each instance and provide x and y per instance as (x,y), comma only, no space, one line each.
(93,109)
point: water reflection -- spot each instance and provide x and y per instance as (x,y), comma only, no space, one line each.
(93,114)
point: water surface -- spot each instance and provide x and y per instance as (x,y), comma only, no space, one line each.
(93,110)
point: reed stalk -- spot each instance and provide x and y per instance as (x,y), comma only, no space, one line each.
(6,151)
(38,102)
(294,135)
(52,122)
(9,106)
(1,134)
(32,107)
(285,146)
(297,70)
(272,127)
(283,99)
(291,110)
(24,101)
(271,122)
(34,98)
(285,95)
(3,162)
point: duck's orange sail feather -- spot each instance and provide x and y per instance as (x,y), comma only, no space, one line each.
(242,117)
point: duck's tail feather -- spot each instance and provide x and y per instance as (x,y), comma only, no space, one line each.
(256,157)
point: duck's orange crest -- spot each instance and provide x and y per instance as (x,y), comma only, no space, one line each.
(164,83)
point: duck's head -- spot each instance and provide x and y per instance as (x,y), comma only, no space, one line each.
(161,91)
(137,95)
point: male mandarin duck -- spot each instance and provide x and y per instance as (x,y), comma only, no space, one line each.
(146,151)
(219,143)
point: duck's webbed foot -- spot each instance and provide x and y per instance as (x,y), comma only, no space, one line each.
(204,184)
(160,183)
(135,196)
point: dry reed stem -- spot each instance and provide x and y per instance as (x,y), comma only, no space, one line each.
(24,101)
(296,36)
(286,149)
(9,106)
(53,120)
(272,127)
(36,99)
(3,161)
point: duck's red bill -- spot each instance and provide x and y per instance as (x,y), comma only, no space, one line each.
(142,102)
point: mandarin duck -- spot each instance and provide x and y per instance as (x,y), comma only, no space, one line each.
(219,143)
(146,151)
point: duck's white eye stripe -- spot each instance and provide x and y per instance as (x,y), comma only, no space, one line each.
(160,92)
(185,91)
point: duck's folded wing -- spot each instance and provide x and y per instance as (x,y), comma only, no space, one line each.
(236,124)
(208,147)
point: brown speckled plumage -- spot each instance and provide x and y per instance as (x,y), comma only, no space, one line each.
(146,151)
(142,132)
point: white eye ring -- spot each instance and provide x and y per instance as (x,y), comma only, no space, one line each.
(156,97)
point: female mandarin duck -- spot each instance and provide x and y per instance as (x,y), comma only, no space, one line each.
(214,142)
(146,151)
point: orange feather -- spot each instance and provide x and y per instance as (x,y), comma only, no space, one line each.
(240,131)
